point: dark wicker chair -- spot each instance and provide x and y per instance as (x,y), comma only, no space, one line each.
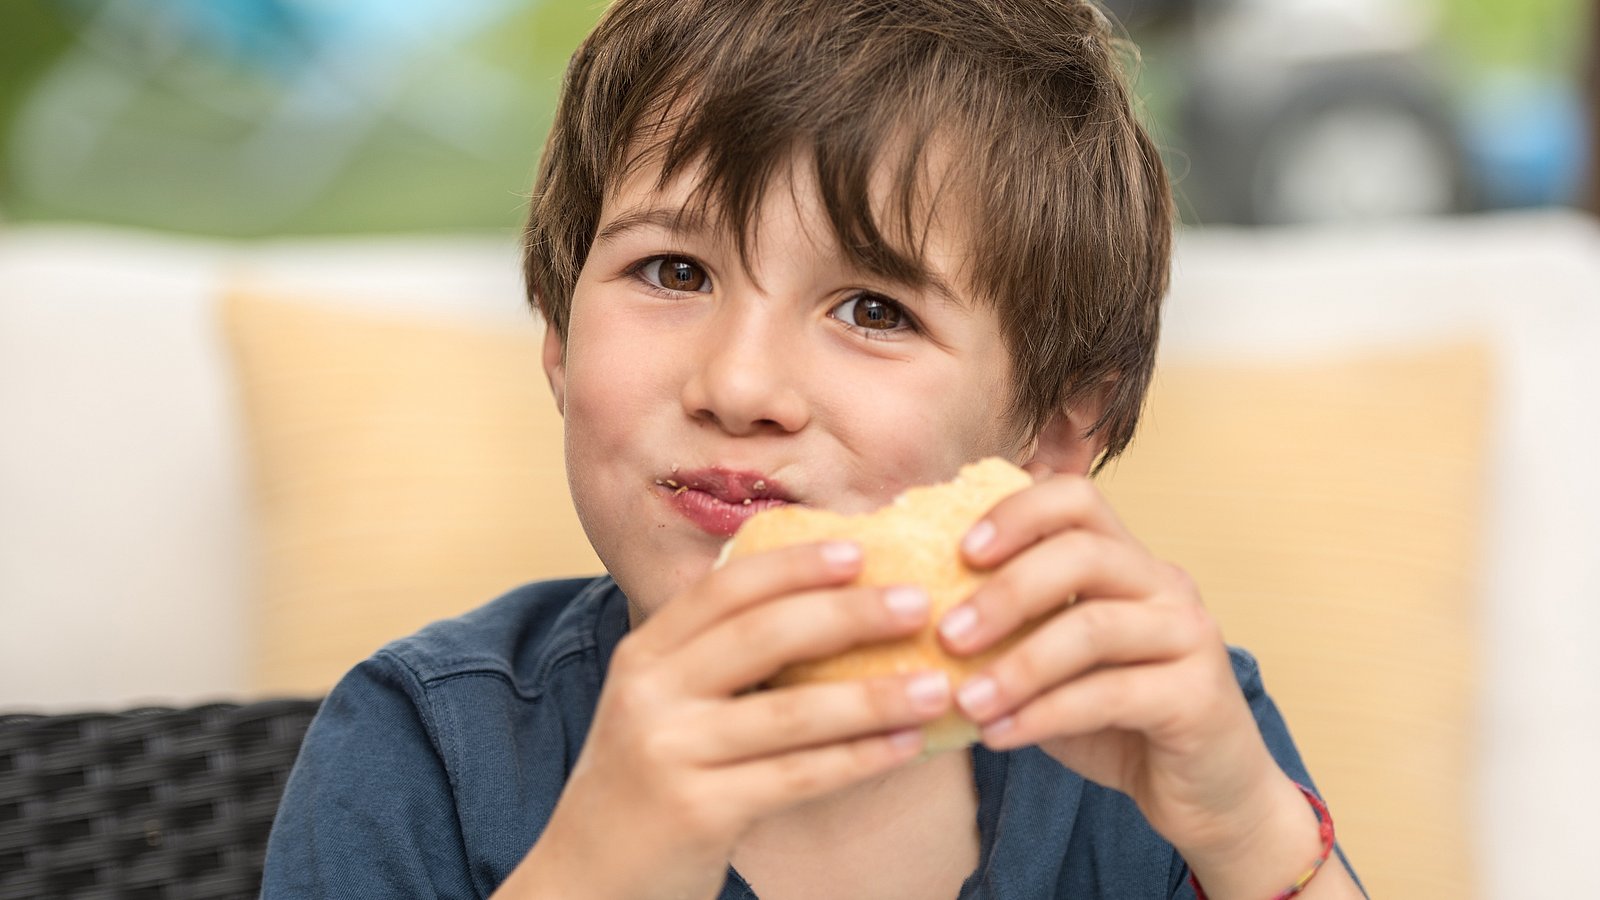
(149,803)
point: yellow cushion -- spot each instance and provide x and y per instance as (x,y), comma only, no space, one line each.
(408,470)
(1330,513)
(404,472)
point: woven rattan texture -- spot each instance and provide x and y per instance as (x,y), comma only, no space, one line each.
(164,804)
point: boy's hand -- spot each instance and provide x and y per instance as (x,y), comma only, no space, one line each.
(1127,681)
(682,759)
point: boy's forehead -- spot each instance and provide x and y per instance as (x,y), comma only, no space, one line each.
(640,192)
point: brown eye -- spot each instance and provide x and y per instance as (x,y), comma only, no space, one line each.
(676,273)
(874,313)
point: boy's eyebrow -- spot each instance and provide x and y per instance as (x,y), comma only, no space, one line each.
(678,220)
(944,292)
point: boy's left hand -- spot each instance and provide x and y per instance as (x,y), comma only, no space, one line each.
(1126,680)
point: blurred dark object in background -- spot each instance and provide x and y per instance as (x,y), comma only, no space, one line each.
(1281,112)
(1136,15)
(150,803)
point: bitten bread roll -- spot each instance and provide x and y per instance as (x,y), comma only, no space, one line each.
(916,539)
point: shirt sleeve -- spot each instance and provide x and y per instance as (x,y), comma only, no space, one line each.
(368,810)
(1276,734)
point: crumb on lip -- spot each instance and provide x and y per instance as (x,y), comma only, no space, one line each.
(760,486)
(680,490)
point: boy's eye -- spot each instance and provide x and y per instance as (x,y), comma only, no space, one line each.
(872,313)
(676,273)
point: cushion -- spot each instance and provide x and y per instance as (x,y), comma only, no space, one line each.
(409,469)
(122,514)
(404,471)
(1329,512)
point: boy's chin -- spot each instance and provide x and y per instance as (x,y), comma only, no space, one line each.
(649,587)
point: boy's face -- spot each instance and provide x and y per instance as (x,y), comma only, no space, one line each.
(690,385)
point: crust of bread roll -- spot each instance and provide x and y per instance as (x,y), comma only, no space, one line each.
(915,539)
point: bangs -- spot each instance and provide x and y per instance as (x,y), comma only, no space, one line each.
(868,151)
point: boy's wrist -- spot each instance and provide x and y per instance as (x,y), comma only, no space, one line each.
(1280,842)
(559,864)
(578,856)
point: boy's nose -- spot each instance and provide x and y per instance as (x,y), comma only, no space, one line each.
(744,380)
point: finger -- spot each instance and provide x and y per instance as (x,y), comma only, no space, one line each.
(1086,637)
(751,646)
(1153,700)
(1048,575)
(1050,506)
(779,782)
(748,581)
(791,718)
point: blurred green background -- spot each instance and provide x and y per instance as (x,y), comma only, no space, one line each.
(260,117)
(254,117)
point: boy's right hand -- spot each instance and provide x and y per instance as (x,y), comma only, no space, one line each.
(682,759)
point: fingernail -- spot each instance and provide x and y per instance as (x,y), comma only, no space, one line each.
(841,553)
(977,696)
(978,538)
(958,623)
(997,728)
(907,601)
(928,691)
(908,740)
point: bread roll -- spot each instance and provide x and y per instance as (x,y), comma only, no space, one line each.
(914,540)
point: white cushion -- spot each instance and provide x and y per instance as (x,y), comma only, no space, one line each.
(1531,282)
(124,517)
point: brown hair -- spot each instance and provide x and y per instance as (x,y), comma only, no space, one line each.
(1067,209)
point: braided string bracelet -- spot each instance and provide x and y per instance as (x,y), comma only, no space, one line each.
(1324,830)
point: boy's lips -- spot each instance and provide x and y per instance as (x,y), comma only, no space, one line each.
(719,500)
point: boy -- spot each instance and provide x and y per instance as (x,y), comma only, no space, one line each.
(817,251)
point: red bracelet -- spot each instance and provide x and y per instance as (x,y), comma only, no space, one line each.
(1324,829)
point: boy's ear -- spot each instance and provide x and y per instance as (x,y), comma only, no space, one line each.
(1063,445)
(555,368)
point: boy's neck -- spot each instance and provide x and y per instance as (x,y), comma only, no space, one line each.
(927,810)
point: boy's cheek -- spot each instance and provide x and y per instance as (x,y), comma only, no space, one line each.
(611,393)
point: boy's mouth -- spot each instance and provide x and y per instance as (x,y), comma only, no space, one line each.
(719,500)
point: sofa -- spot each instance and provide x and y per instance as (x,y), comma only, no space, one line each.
(230,470)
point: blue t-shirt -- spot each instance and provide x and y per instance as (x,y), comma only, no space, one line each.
(433,767)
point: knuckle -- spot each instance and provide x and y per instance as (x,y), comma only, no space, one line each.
(1081,551)
(1078,491)
(788,715)
(999,596)
(1182,581)
(869,755)
(629,655)
(1115,694)
(657,746)
(1023,666)
(1200,627)
(798,775)
(795,563)
(1095,622)
(885,699)
(758,630)
(708,818)
(632,698)
(860,608)
(719,583)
